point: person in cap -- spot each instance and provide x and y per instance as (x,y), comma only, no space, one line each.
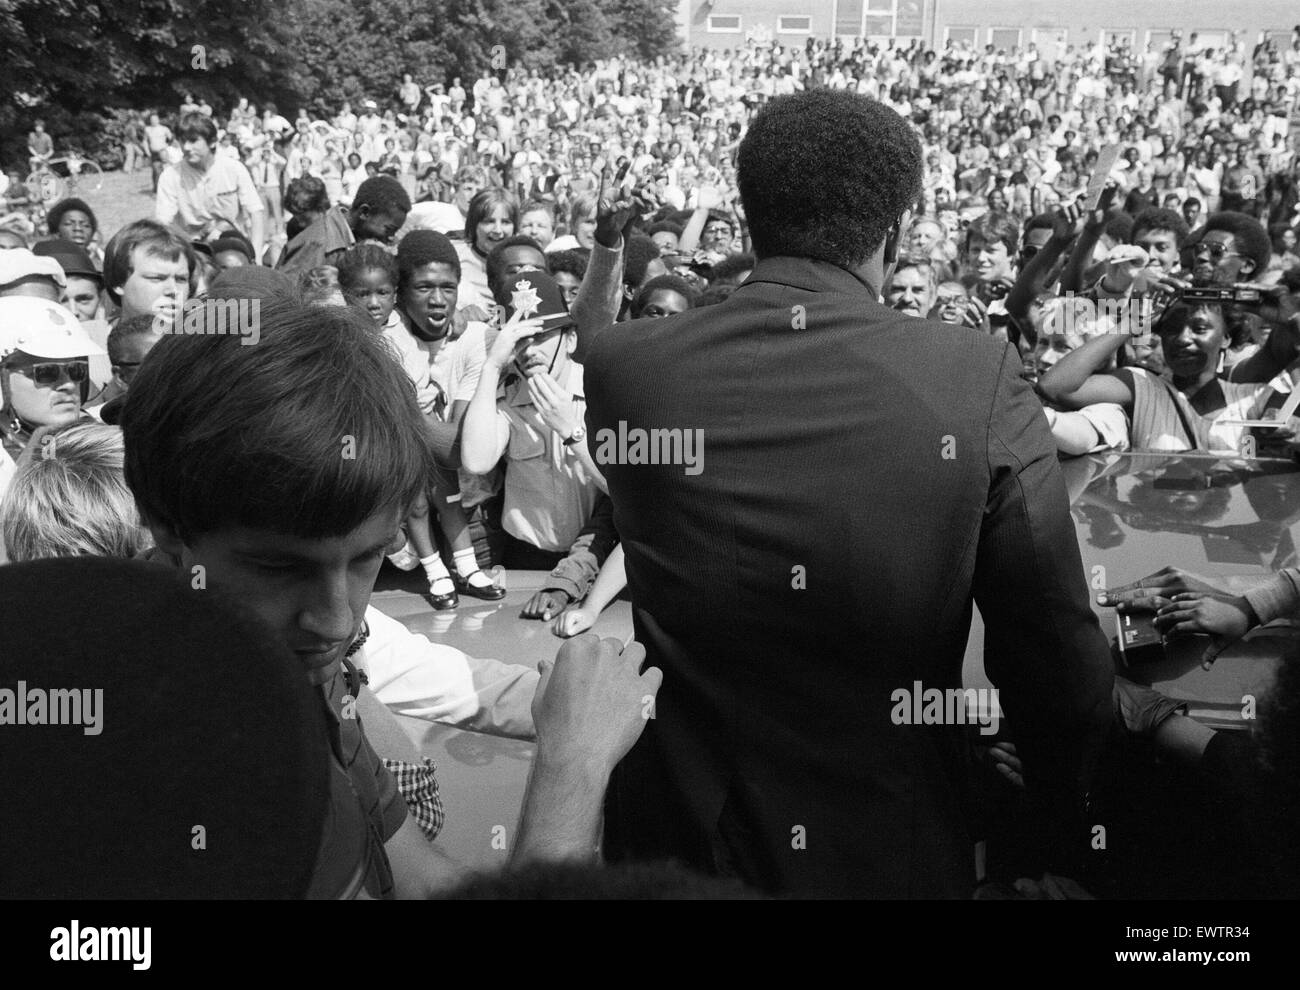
(536,423)
(24,273)
(232,250)
(84,297)
(44,368)
(81,294)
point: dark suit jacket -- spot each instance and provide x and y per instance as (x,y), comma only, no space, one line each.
(826,418)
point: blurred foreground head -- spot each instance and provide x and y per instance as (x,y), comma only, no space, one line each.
(197,763)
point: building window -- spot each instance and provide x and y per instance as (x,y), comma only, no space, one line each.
(794,25)
(878,26)
(880,6)
(1004,39)
(848,21)
(724,23)
(958,35)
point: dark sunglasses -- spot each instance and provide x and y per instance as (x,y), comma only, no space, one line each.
(1214,249)
(52,372)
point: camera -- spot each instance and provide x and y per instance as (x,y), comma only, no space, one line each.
(1223,294)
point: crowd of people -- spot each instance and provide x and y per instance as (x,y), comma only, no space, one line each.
(448,257)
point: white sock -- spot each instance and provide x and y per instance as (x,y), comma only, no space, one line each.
(467,567)
(438,575)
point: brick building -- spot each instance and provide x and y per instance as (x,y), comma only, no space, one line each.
(1004,23)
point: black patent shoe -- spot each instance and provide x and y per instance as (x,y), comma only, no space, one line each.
(442,603)
(490,593)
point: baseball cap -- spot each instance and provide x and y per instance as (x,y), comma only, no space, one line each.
(42,329)
(536,294)
(72,258)
(442,217)
(19,263)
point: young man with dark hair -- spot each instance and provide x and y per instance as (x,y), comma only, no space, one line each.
(641,263)
(991,244)
(128,343)
(206,192)
(255,479)
(376,214)
(149,269)
(1161,234)
(663,295)
(938,485)
(1038,231)
(568,269)
(512,256)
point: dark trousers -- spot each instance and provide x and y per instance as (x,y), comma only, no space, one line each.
(521,556)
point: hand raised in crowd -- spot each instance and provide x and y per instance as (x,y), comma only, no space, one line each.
(709,198)
(1096,220)
(976,316)
(593,702)
(1069,223)
(546,603)
(616,206)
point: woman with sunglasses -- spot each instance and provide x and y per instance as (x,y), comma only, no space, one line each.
(44,369)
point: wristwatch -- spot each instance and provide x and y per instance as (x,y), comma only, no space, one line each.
(577,436)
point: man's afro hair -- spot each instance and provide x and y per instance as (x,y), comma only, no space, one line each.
(824,174)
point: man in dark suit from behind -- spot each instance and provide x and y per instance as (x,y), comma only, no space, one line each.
(865,476)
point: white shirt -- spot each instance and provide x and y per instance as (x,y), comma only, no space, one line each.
(414,676)
(194,200)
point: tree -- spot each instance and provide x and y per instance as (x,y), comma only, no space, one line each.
(70,61)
